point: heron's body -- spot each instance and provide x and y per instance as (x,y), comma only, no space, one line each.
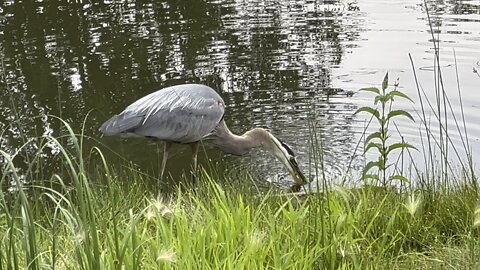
(181,114)
(190,113)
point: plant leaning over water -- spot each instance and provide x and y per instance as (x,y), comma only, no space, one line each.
(383,113)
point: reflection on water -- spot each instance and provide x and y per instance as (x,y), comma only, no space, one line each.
(394,30)
(271,61)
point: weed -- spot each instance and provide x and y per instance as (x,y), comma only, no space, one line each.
(379,140)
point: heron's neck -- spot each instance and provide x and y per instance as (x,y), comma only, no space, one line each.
(238,145)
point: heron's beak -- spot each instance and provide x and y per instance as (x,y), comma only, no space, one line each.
(296,173)
(285,154)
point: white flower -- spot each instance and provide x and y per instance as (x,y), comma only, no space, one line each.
(256,239)
(167,256)
(150,214)
(413,204)
(163,209)
(79,237)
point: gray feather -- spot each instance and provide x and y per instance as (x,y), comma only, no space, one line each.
(120,124)
(184,113)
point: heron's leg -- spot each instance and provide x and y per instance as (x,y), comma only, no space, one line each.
(166,148)
(195,146)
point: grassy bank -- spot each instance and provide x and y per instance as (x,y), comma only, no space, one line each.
(106,220)
(94,215)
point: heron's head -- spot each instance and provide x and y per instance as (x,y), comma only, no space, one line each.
(286,155)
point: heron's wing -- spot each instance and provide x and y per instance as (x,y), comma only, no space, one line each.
(184,113)
(121,123)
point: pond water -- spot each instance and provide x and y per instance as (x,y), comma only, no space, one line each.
(282,65)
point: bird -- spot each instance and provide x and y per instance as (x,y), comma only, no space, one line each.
(190,114)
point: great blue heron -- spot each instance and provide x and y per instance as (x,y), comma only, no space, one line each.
(188,114)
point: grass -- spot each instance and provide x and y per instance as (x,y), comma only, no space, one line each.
(97,219)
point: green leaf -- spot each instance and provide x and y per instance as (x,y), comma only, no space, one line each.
(373,145)
(382,99)
(371,176)
(371,89)
(385,82)
(401,178)
(369,110)
(400,94)
(399,112)
(375,135)
(399,146)
(369,166)
(381,163)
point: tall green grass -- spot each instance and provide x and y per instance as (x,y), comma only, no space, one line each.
(98,219)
